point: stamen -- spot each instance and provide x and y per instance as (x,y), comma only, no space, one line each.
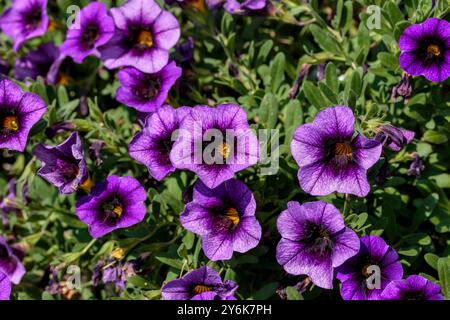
(145,38)
(343,149)
(63,79)
(434,50)
(201,289)
(118,210)
(224,150)
(10,123)
(232,215)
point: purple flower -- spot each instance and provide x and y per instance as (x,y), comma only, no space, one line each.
(63,165)
(19,111)
(394,138)
(196,284)
(25,19)
(11,269)
(425,49)
(314,241)
(117,202)
(185,50)
(416,168)
(152,146)
(36,62)
(94,29)
(144,34)
(330,158)
(118,274)
(244,6)
(355,272)
(224,217)
(215,143)
(146,92)
(412,288)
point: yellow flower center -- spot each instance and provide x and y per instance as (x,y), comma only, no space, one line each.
(434,50)
(87,185)
(118,210)
(201,289)
(145,38)
(343,149)
(198,4)
(52,25)
(63,79)
(232,215)
(10,123)
(224,150)
(118,253)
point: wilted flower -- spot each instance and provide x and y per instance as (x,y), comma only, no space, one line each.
(330,159)
(314,241)
(185,50)
(95,152)
(11,269)
(144,91)
(416,168)
(58,128)
(403,89)
(25,19)
(224,217)
(144,34)
(425,49)
(215,143)
(356,271)
(119,273)
(412,288)
(117,202)
(394,138)
(18,113)
(63,165)
(303,73)
(94,28)
(201,284)
(152,146)
(36,62)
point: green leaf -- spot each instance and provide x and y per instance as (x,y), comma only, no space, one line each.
(277,71)
(434,137)
(266,291)
(293,294)
(177,264)
(314,95)
(325,39)
(331,77)
(432,260)
(443,265)
(264,52)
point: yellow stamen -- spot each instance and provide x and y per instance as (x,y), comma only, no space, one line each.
(63,79)
(52,25)
(201,289)
(87,185)
(434,50)
(343,149)
(118,253)
(145,38)
(232,215)
(10,123)
(199,5)
(224,150)
(118,210)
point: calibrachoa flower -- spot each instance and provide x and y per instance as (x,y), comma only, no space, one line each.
(25,19)
(243,6)
(63,165)
(412,288)
(314,241)
(354,273)
(215,143)
(94,28)
(8,203)
(425,49)
(144,34)
(416,168)
(224,217)
(117,202)
(11,269)
(36,62)
(19,111)
(196,284)
(394,138)
(152,146)
(330,158)
(144,91)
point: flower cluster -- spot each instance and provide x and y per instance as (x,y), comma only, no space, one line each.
(129,126)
